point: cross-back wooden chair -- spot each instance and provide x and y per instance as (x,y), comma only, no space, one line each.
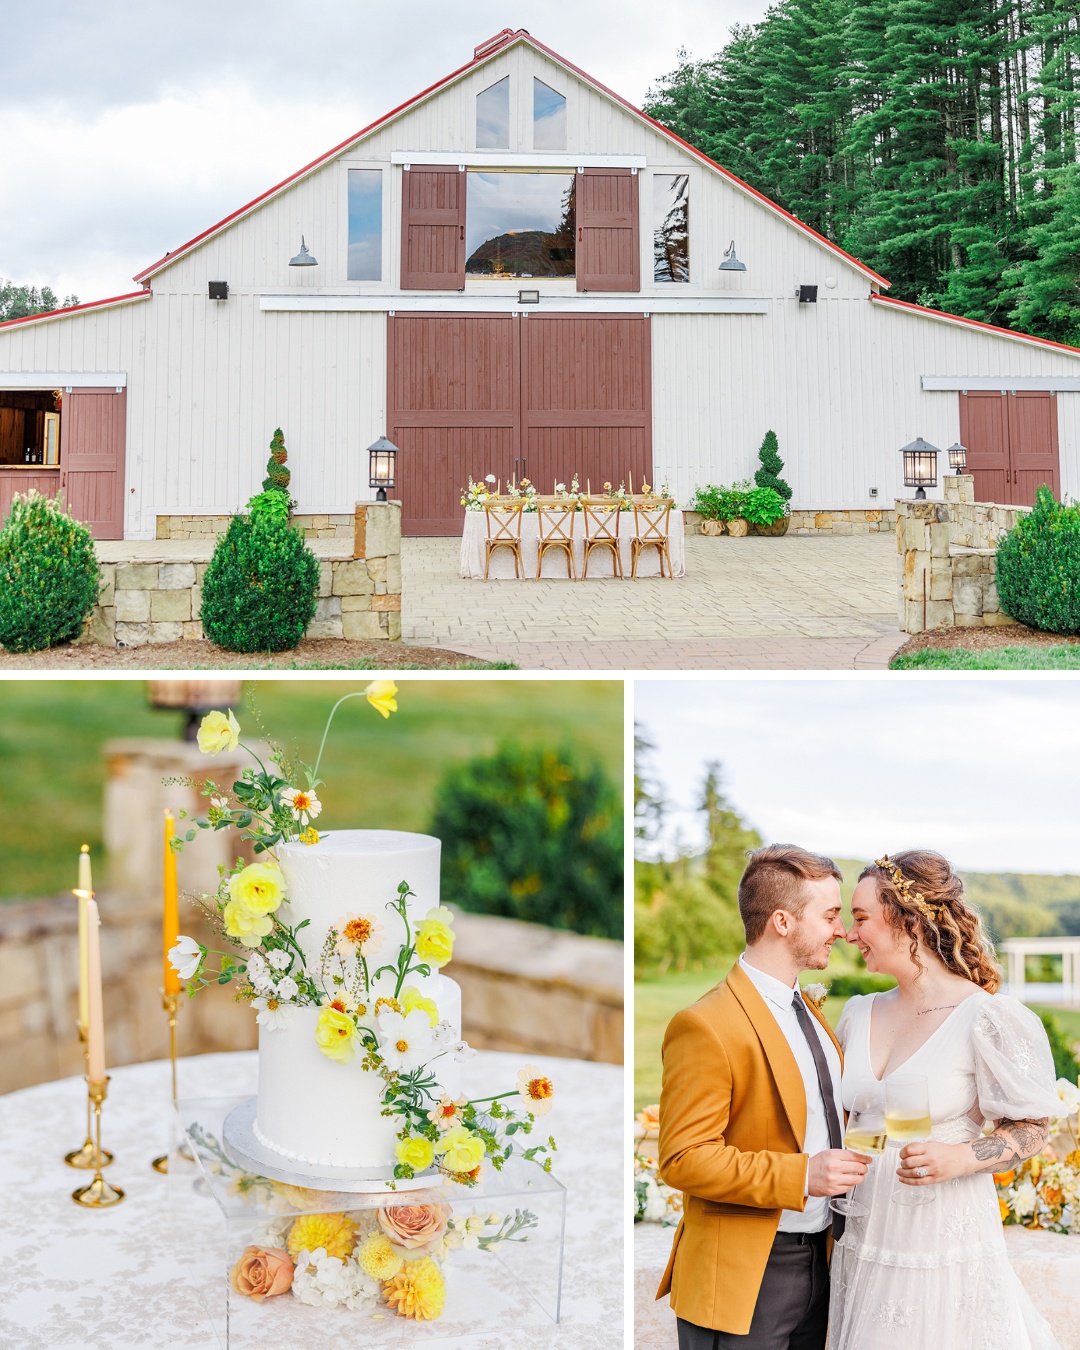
(556,526)
(602,531)
(651,526)
(504,531)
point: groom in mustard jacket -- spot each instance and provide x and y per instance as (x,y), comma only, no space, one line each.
(751,1124)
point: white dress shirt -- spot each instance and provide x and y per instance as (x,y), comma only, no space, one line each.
(778,999)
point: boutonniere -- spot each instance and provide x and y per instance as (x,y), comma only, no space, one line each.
(815,994)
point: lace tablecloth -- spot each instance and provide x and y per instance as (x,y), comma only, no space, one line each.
(1047,1263)
(106,1279)
(600,564)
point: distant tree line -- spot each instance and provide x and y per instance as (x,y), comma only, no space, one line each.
(936,140)
(19,302)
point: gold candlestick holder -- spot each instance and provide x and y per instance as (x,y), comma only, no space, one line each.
(171,1002)
(99,1193)
(91,1155)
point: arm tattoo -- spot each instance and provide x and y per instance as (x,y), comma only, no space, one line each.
(1012,1142)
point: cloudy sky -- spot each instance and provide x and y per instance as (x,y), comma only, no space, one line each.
(986,771)
(130,126)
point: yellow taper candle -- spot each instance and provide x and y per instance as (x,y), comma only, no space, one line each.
(95,1028)
(171,926)
(83,894)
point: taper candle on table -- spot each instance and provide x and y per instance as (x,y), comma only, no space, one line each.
(170,994)
(99,1193)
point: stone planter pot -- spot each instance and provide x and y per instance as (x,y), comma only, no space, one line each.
(712,527)
(777,528)
(738,527)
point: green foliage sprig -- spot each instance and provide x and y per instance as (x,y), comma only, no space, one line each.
(716,502)
(764,505)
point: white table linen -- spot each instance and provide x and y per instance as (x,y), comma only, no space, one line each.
(600,564)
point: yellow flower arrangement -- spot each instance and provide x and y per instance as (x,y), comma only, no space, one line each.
(377,1258)
(259,888)
(335,1034)
(435,937)
(248,928)
(411,998)
(417,1291)
(335,1233)
(417,1153)
(382,695)
(218,731)
(460,1150)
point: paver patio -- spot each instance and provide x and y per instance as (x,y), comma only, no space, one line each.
(801,602)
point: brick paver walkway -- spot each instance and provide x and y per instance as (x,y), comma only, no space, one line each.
(796,603)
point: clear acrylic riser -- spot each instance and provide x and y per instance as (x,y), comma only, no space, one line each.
(217,1209)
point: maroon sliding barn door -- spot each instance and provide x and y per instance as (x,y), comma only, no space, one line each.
(1012,444)
(586,386)
(93,435)
(606,210)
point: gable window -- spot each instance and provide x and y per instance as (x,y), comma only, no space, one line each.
(493,116)
(671,227)
(549,117)
(365,225)
(519,225)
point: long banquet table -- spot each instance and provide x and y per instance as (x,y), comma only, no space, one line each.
(77,1279)
(600,564)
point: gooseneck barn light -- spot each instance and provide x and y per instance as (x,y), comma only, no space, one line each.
(303,258)
(731,262)
(920,466)
(382,457)
(957,457)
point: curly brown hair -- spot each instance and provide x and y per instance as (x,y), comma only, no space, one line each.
(943,922)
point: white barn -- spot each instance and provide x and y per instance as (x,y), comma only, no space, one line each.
(517,273)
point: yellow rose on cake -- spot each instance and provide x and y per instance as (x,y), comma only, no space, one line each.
(435,937)
(460,1150)
(254,894)
(335,1033)
(412,998)
(218,731)
(418,1153)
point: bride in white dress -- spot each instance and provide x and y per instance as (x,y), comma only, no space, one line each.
(936,1276)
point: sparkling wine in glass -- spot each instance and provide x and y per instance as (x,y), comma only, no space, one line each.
(907,1119)
(865,1133)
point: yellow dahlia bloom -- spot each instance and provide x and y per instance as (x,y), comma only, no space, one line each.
(435,937)
(460,1149)
(218,731)
(416,1153)
(335,1034)
(333,1232)
(377,1258)
(411,998)
(382,695)
(259,888)
(418,1291)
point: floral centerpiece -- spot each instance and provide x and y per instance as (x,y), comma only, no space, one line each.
(477,495)
(654,1200)
(524,490)
(397,1036)
(1044,1191)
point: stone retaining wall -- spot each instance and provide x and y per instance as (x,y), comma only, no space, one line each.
(150,599)
(209,527)
(822,522)
(947,557)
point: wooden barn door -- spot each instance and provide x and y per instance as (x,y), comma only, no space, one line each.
(586,407)
(1012,444)
(94,427)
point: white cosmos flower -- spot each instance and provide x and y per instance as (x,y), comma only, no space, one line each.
(287,988)
(1069,1096)
(303,804)
(405,1040)
(279,958)
(272,1015)
(258,972)
(186,957)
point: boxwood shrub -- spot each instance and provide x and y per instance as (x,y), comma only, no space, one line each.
(259,591)
(1038,567)
(49,575)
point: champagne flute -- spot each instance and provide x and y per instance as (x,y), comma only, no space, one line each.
(865,1133)
(907,1119)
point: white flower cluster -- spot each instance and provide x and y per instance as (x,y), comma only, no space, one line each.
(329,1282)
(654,1202)
(465,1232)
(274,986)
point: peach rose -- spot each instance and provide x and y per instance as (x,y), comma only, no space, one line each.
(649,1120)
(262,1272)
(417,1228)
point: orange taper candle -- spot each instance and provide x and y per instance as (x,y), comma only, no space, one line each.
(95,1030)
(171,925)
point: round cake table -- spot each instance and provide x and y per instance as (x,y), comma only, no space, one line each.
(105,1279)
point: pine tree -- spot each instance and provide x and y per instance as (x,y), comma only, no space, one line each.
(277,474)
(768,476)
(729,837)
(1047,280)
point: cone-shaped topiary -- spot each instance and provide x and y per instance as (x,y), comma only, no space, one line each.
(49,575)
(1038,567)
(277,474)
(259,591)
(768,476)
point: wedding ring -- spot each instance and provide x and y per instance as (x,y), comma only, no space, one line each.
(920,1171)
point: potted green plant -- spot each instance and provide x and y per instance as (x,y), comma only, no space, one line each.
(734,508)
(765,510)
(709,506)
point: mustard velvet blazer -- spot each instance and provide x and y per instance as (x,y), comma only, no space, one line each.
(732,1122)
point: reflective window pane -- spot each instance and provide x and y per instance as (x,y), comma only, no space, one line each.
(365,225)
(549,117)
(493,117)
(519,225)
(671,227)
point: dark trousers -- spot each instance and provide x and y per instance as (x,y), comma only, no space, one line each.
(792,1309)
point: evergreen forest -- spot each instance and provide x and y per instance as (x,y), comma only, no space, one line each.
(935,140)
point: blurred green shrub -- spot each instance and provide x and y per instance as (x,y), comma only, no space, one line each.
(533,833)
(49,575)
(1065,1065)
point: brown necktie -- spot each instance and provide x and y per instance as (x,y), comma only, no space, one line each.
(824,1077)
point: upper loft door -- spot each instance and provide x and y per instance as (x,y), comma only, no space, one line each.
(92,458)
(1012,443)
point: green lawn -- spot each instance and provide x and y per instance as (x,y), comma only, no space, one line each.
(996,658)
(377,774)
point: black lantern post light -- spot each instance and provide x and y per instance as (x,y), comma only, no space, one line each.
(382,457)
(920,466)
(957,457)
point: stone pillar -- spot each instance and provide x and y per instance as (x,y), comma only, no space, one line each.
(924,567)
(365,598)
(959,487)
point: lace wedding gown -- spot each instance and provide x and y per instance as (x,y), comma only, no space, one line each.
(937,1276)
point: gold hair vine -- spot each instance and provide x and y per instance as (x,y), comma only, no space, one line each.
(903,887)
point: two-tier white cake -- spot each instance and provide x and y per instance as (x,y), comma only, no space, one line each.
(312,1109)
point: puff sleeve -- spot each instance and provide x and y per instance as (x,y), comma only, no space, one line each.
(1014,1069)
(850,1018)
